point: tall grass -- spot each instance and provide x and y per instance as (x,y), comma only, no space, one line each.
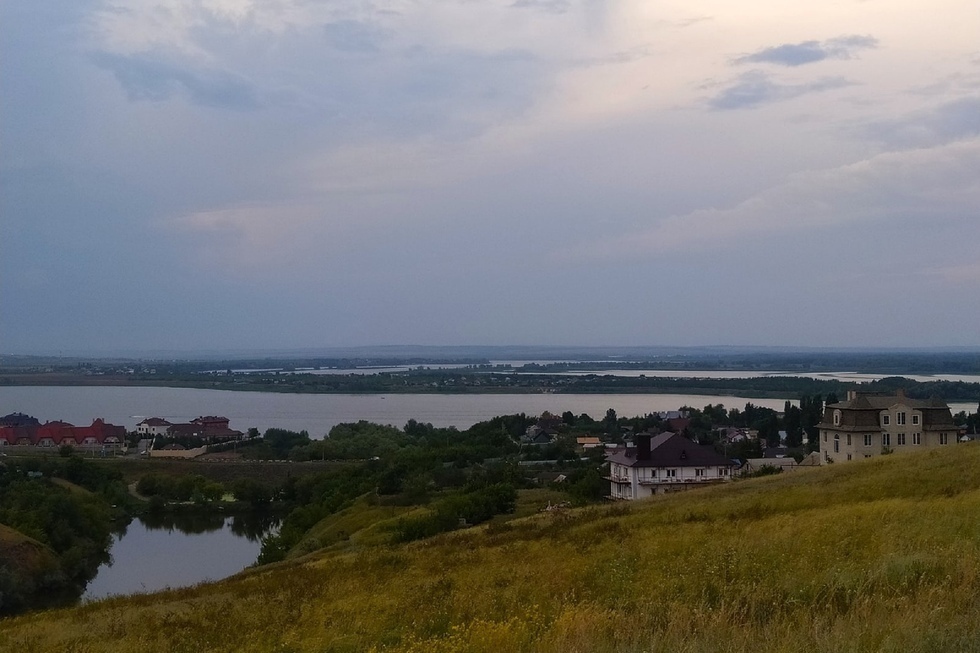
(877,555)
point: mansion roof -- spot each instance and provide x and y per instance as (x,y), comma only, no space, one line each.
(668,450)
(862,412)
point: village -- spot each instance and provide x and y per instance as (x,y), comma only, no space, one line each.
(663,452)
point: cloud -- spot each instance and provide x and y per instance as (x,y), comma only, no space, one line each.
(145,77)
(950,121)
(965,274)
(353,36)
(799,54)
(550,6)
(938,185)
(756,88)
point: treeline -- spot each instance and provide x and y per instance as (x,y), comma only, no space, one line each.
(461,477)
(69,506)
(196,489)
(473,381)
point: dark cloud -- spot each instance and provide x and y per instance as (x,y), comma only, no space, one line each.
(799,54)
(952,121)
(756,88)
(146,78)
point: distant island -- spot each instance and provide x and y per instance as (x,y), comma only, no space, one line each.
(772,373)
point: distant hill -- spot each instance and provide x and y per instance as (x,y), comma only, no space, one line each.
(875,555)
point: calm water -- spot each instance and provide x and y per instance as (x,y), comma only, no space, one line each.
(154,553)
(317,414)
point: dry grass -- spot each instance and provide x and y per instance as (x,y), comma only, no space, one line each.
(878,555)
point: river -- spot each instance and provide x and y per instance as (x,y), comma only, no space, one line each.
(170,551)
(318,413)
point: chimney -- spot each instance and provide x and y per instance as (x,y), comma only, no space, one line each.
(642,446)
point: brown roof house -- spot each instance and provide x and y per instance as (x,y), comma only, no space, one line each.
(208,429)
(869,425)
(663,463)
(153,426)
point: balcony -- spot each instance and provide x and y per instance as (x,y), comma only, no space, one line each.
(617,479)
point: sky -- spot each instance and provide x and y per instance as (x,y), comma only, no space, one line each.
(277,174)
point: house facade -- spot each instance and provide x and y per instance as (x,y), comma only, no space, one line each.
(152,427)
(668,462)
(56,434)
(209,428)
(868,425)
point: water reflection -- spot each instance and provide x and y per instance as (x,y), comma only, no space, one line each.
(252,526)
(169,550)
(189,523)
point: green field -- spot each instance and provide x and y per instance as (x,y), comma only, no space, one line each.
(876,555)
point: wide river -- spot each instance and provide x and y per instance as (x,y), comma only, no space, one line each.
(317,414)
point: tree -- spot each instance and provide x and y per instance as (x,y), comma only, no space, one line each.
(252,492)
(611,422)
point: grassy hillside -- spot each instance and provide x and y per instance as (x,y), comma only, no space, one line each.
(876,555)
(25,564)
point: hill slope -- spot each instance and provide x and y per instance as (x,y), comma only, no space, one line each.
(876,555)
(25,564)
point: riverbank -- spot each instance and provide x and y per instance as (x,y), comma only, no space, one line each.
(753,565)
(777,385)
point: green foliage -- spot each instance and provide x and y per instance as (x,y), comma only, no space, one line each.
(765,470)
(585,485)
(188,487)
(276,444)
(876,555)
(464,509)
(75,525)
(252,492)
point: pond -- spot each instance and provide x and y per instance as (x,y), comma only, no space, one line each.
(156,552)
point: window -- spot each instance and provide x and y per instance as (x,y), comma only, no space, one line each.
(943,438)
(886,439)
(848,439)
(836,443)
(900,419)
(901,439)
(671,473)
(699,472)
(867,439)
(885,419)
(915,419)
(824,436)
(836,418)
(848,456)
(916,438)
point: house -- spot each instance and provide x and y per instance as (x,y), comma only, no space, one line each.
(210,429)
(587,442)
(538,435)
(57,433)
(731,434)
(18,419)
(868,425)
(664,463)
(152,427)
(755,464)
